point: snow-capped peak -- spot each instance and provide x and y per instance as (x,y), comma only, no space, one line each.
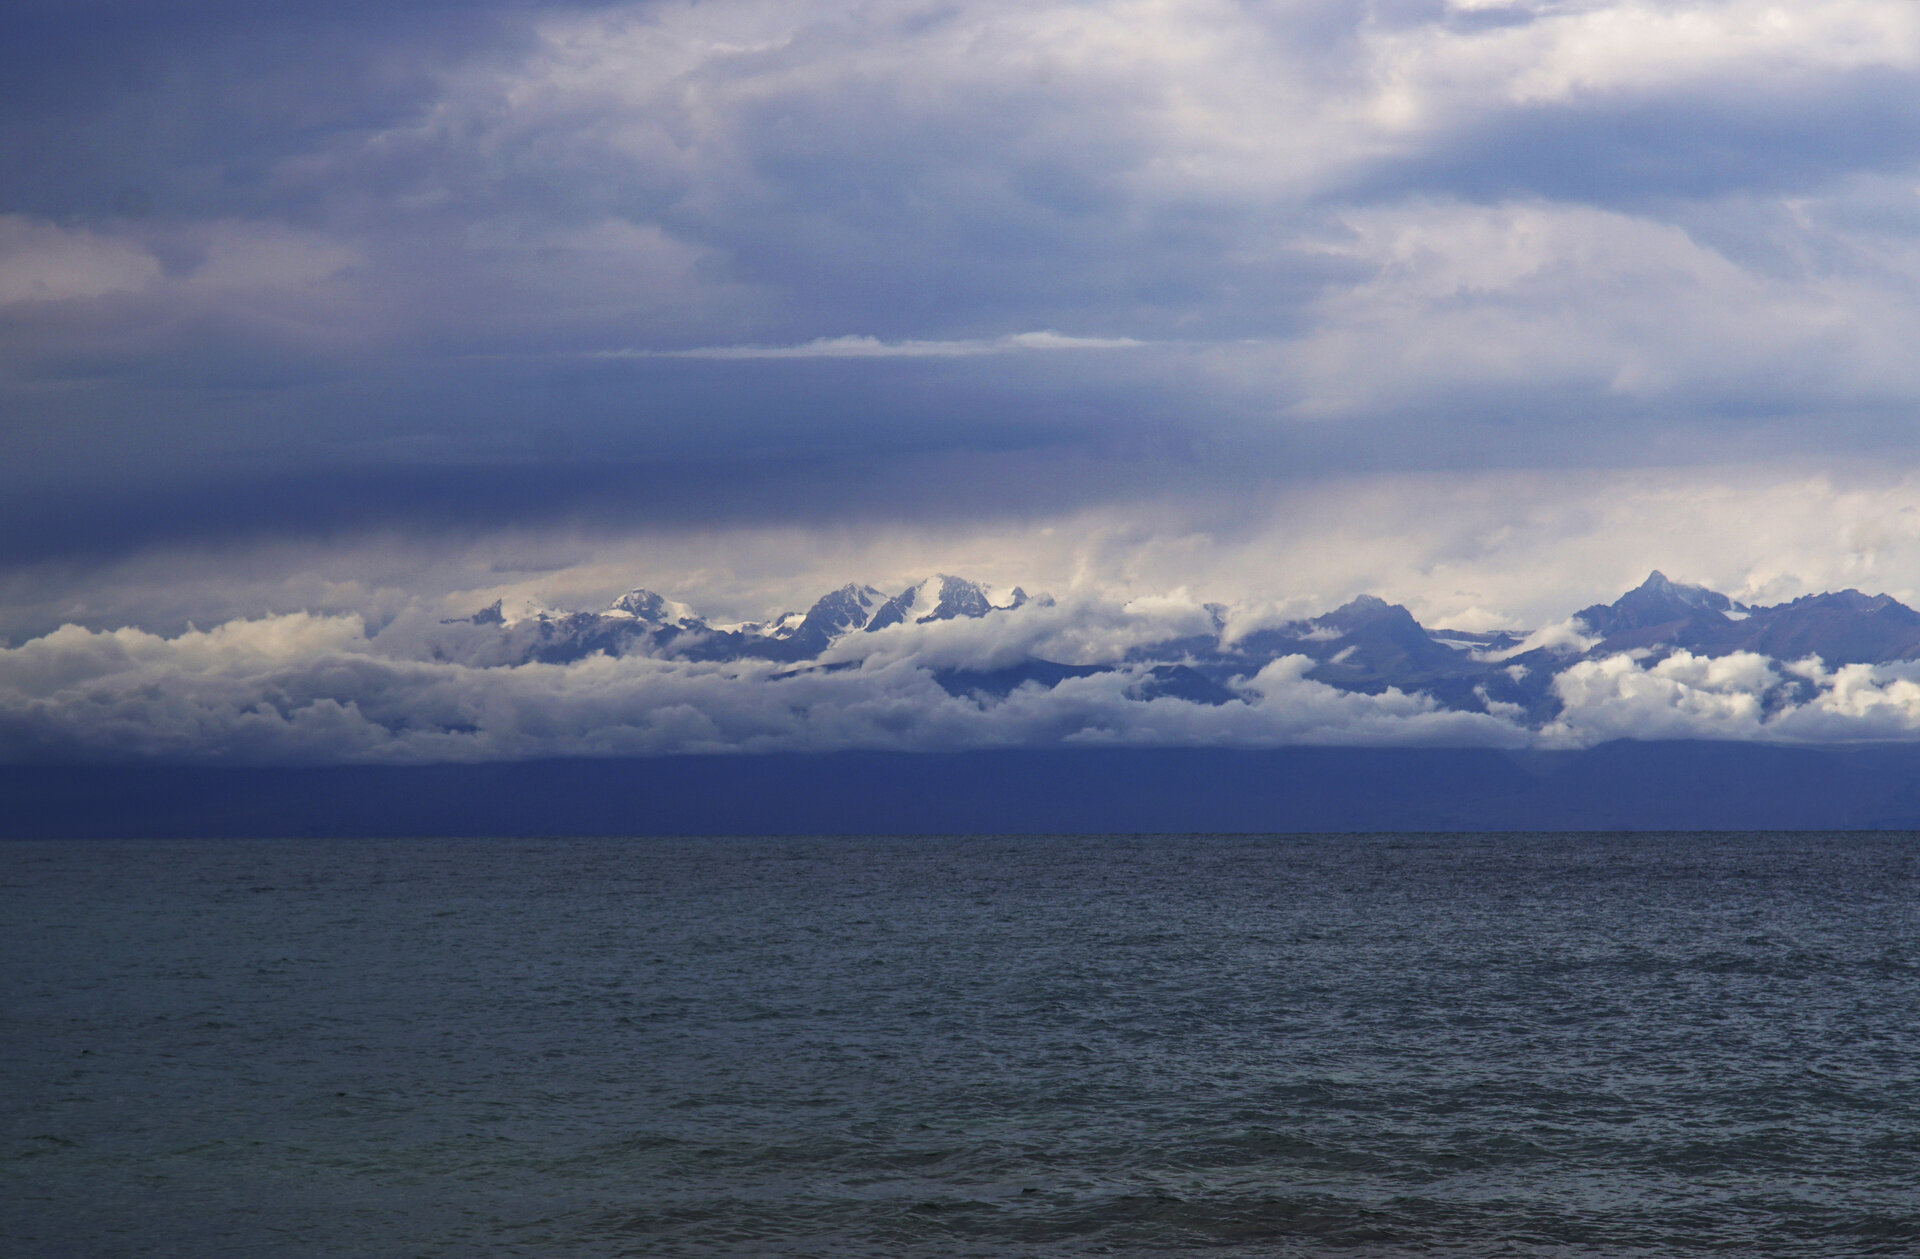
(645,605)
(941,597)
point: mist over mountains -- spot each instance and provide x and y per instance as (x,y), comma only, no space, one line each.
(1366,646)
(949,665)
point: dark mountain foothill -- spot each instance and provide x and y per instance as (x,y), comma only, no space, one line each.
(1366,645)
(1000,683)
(1179,681)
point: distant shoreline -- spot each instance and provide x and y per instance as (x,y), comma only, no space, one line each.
(1620,786)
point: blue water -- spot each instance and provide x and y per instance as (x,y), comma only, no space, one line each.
(1363,1046)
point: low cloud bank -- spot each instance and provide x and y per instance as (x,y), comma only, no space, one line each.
(318,689)
(303,688)
(1740,696)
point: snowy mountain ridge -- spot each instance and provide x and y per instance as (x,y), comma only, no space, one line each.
(946,663)
(1366,645)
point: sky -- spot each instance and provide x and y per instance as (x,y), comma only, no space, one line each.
(366,310)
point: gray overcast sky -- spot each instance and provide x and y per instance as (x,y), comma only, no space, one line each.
(323,322)
(313,273)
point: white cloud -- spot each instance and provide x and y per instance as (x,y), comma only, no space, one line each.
(1681,696)
(1741,696)
(1600,46)
(1593,303)
(873,347)
(1566,637)
(307,689)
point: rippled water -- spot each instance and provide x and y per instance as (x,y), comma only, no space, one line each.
(1357,1045)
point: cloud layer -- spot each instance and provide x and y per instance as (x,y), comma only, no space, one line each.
(302,688)
(419,253)
(322,322)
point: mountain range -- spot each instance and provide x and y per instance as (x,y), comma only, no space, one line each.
(1366,645)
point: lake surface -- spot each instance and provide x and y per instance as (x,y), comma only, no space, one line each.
(1352,1045)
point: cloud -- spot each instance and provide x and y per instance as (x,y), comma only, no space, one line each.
(1513,549)
(1560,52)
(1568,637)
(1592,304)
(149,299)
(40,262)
(873,347)
(305,688)
(1739,696)
(783,171)
(1470,303)
(302,689)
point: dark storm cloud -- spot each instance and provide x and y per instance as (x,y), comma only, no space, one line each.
(610,442)
(329,266)
(139,107)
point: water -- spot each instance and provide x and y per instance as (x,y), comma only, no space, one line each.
(1362,1046)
